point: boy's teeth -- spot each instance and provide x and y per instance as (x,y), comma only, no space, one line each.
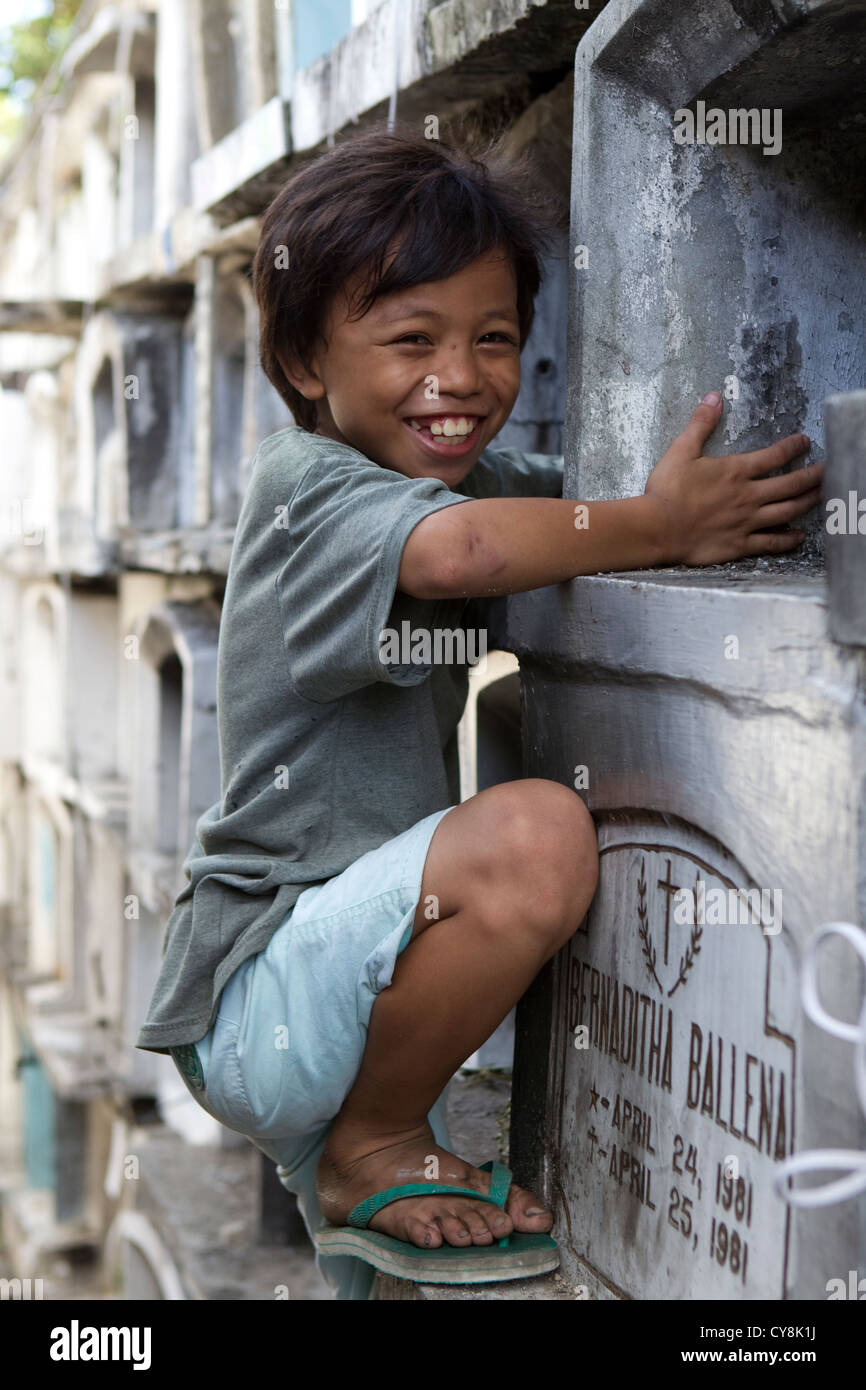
(453,427)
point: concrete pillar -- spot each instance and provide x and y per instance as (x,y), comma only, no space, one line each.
(284,41)
(259,19)
(176,136)
(845,506)
(230,397)
(217,95)
(205,288)
(71,1147)
(137,156)
(663,1062)
(279,1220)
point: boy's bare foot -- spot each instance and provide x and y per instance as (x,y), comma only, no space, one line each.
(355,1165)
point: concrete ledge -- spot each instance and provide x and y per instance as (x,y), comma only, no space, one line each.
(402,43)
(672,626)
(243,154)
(201,550)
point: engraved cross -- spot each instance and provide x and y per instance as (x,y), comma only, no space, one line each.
(668,888)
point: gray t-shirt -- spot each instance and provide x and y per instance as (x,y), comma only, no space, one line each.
(325,752)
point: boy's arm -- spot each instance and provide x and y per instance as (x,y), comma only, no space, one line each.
(695,510)
(509,544)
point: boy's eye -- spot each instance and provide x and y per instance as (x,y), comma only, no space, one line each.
(422,338)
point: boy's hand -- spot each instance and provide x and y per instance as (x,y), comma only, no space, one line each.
(718,509)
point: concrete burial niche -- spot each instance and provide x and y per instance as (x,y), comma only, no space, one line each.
(735,265)
(715,728)
(128,408)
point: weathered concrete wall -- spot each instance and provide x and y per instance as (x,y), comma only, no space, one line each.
(715,730)
(845,500)
(715,264)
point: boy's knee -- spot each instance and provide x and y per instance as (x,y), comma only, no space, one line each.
(546,846)
(537,817)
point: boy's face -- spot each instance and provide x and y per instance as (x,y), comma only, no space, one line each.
(376,380)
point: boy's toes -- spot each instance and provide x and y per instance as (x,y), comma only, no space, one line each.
(455,1230)
(473,1226)
(501,1223)
(527,1212)
(423,1233)
(477,1223)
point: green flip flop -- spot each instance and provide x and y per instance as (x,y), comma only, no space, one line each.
(516,1256)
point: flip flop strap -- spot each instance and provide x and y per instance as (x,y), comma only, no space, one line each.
(500,1182)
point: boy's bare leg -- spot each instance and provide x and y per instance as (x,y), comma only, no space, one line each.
(514,870)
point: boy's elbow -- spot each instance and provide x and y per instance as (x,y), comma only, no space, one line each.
(437,577)
(436,562)
(450,578)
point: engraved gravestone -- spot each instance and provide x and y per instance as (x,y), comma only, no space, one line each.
(663,1062)
(676,1098)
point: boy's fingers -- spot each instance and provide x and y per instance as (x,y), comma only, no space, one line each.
(700,427)
(806,479)
(772,542)
(765,460)
(777,513)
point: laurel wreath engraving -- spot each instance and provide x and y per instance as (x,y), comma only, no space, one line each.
(687,960)
(649,949)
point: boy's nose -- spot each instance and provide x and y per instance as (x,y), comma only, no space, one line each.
(459,372)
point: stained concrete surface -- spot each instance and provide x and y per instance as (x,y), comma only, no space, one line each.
(203,1202)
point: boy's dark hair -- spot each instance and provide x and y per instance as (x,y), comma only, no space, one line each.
(441,207)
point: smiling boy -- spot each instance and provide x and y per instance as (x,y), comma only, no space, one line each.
(350,934)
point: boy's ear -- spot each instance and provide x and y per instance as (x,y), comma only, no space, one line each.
(304,379)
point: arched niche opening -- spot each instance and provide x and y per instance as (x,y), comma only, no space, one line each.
(45,935)
(187,406)
(49,899)
(143,150)
(176,774)
(102,401)
(103,932)
(108,447)
(99,499)
(137,1258)
(227,399)
(43,676)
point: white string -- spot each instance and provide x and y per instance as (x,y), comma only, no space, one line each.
(852,1161)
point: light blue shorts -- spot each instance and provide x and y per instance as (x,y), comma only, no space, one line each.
(290,1032)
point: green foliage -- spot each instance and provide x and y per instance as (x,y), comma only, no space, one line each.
(28,51)
(29,48)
